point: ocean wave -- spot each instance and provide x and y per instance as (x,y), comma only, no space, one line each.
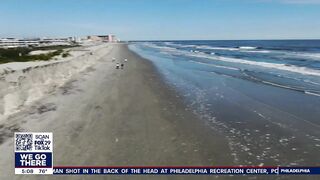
(284,67)
(199,54)
(218,66)
(266,82)
(179,45)
(299,56)
(308,55)
(241,48)
(217,48)
(259,51)
(186,46)
(200,47)
(302,89)
(311,82)
(168,43)
(312,93)
(247,47)
(309,92)
(152,45)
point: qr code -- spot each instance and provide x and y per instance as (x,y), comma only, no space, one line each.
(24,142)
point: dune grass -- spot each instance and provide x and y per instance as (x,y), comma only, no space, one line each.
(22,54)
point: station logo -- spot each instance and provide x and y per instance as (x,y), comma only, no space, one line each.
(33,153)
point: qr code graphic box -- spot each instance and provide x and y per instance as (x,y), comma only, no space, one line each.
(33,152)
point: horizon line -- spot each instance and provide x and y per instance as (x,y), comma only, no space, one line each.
(231,39)
(271,39)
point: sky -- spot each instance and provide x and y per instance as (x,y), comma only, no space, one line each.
(162,19)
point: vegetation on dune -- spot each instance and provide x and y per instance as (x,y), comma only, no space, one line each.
(65,54)
(22,54)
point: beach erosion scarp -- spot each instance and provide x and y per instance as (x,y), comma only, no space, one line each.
(22,83)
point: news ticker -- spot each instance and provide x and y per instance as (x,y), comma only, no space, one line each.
(149,170)
(34,155)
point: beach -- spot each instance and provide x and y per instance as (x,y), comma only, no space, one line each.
(105,116)
(138,116)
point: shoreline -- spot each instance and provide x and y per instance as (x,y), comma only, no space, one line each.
(117,117)
(264,125)
(212,142)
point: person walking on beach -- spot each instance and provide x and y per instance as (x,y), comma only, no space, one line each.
(122,65)
(117,66)
(125,60)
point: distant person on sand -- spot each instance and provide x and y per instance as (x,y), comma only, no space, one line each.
(122,65)
(117,66)
(125,60)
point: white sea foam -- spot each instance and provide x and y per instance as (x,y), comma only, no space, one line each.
(193,46)
(247,47)
(159,47)
(218,66)
(302,55)
(168,43)
(295,69)
(279,85)
(284,67)
(242,48)
(179,45)
(311,82)
(315,56)
(260,51)
(227,48)
(311,93)
(217,48)
(185,46)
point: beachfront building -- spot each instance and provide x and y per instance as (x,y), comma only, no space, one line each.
(39,42)
(112,38)
(14,42)
(55,41)
(104,38)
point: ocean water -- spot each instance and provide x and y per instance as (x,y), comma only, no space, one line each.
(263,96)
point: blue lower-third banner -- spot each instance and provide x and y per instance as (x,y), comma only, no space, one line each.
(159,170)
